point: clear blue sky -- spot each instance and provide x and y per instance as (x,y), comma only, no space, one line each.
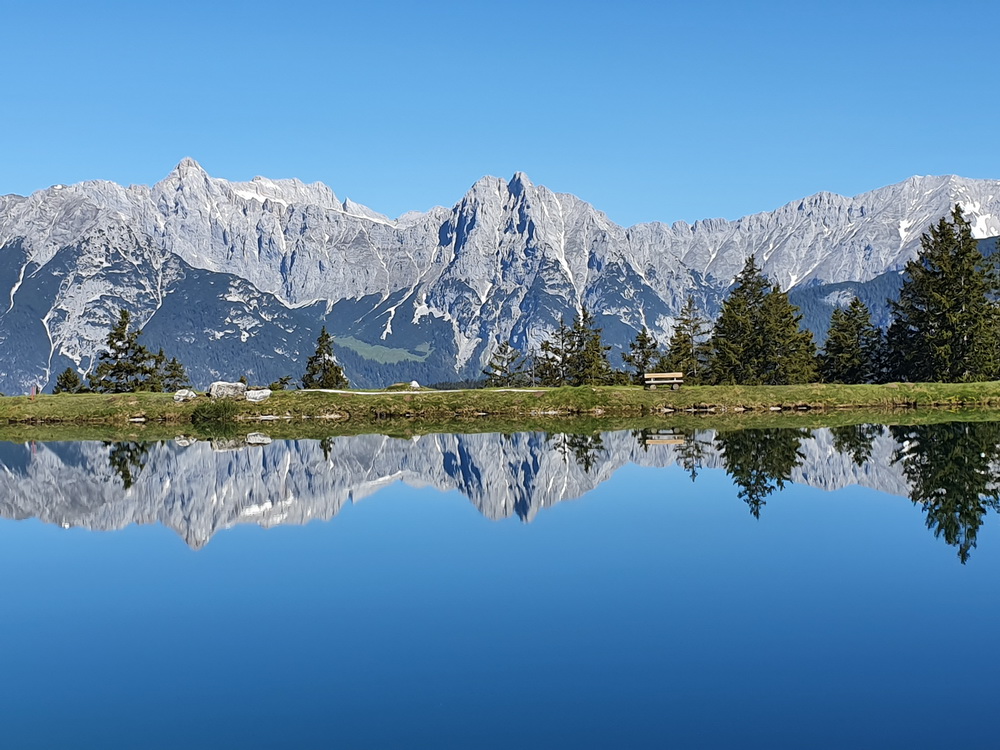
(650,111)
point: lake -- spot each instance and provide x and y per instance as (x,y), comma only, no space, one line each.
(760,588)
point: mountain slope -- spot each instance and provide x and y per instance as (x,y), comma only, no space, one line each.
(427,295)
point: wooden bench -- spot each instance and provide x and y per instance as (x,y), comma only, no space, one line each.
(652,379)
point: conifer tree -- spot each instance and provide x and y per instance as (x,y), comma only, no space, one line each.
(68,381)
(551,365)
(687,351)
(945,325)
(587,363)
(853,346)
(174,376)
(643,354)
(127,365)
(322,370)
(505,368)
(757,339)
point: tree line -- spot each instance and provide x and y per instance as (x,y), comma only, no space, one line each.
(945,328)
(127,366)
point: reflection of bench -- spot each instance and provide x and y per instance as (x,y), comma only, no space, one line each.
(663,437)
(652,379)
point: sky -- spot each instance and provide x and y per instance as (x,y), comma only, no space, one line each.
(650,111)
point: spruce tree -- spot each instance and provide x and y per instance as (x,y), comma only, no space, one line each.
(127,365)
(174,376)
(643,354)
(687,351)
(757,339)
(587,363)
(505,368)
(853,346)
(945,324)
(322,370)
(68,381)
(554,356)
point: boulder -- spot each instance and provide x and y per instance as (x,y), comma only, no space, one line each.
(222,389)
(415,385)
(184,395)
(258,438)
(258,395)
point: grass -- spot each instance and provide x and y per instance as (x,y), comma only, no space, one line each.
(417,412)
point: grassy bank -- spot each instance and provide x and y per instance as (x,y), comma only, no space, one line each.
(430,411)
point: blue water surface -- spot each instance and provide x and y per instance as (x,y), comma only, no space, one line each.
(651,612)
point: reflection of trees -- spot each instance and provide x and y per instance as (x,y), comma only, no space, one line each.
(326,445)
(127,460)
(691,455)
(950,470)
(760,461)
(585,449)
(856,440)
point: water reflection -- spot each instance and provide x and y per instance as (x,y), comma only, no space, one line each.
(760,461)
(949,470)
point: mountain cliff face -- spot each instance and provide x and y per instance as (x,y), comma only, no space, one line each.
(237,277)
(200,488)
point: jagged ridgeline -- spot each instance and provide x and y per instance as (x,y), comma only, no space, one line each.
(949,470)
(239,278)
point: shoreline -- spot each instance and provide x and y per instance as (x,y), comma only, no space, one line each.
(423,411)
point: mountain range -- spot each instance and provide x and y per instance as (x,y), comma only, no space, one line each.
(198,488)
(236,278)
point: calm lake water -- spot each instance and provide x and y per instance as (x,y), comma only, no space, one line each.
(765,588)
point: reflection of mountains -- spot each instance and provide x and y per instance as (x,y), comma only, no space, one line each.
(198,488)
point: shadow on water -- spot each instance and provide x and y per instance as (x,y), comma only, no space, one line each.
(950,470)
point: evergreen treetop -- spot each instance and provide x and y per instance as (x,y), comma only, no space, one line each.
(506,368)
(945,322)
(643,354)
(757,339)
(322,370)
(687,351)
(853,346)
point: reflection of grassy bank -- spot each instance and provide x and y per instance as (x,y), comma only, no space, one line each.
(435,411)
(408,427)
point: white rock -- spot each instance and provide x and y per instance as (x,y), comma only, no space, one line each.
(258,395)
(415,385)
(222,389)
(258,438)
(184,395)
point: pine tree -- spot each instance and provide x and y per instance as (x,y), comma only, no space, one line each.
(757,339)
(554,356)
(127,365)
(68,381)
(945,322)
(687,351)
(505,368)
(643,353)
(853,345)
(322,370)
(174,376)
(587,363)
(155,380)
